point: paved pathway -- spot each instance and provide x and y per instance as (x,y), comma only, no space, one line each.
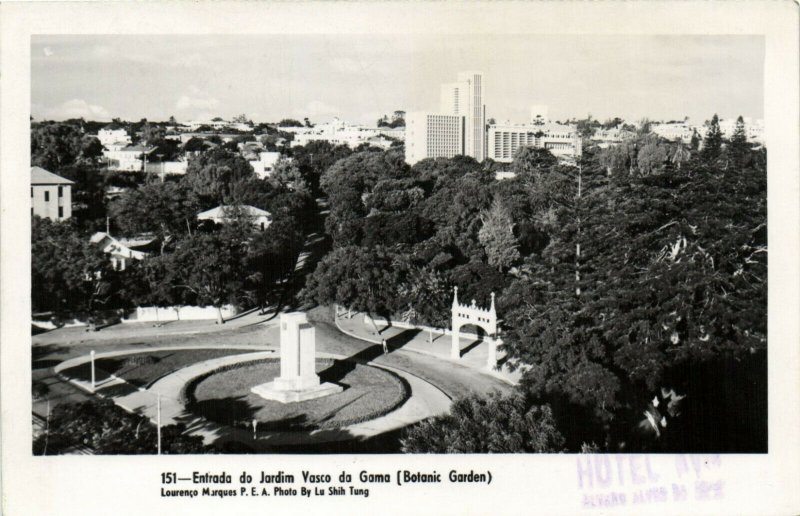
(474,353)
(427,373)
(142,330)
(425,401)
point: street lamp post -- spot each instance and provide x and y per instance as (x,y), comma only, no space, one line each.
(158,421)
(91,354)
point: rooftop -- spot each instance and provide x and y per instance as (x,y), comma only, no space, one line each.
(223,211)
(40,176)
(130,242)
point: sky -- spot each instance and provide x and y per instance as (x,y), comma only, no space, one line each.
(362,77)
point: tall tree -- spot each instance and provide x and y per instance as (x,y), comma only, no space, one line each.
(167,209)
(364,279)
(739,148)
(349,181)
(152,134)
(712,144)
(211,269)
(651,158)
(287,174)
(68,272)
(57,145)
(212,174)
(497,237)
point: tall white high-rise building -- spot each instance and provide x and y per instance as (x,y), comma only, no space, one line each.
(458,129)
(465,98)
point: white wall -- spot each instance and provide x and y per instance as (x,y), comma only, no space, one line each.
(49,209)
(183,313)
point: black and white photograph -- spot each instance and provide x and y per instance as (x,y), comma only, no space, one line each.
(376,250)
(310,249)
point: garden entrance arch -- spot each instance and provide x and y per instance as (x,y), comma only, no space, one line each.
(481,317)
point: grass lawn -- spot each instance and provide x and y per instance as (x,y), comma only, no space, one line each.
(142,369)
(225,397)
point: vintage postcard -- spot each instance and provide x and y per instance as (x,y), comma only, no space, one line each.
(437,258)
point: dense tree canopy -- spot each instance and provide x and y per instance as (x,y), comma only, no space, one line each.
(672,271)
(57,145)
(108,429)
(212,174)
(165,209)
(364,279)
(493,424)
(67,271)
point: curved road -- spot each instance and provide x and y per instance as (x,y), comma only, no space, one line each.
(453,379)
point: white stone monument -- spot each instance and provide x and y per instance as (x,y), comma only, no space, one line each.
(298,380)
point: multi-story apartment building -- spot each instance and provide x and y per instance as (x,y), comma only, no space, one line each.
(433,136)
(505,139)
(51,195)
(458,129)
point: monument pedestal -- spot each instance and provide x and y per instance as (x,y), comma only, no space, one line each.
(271,391)
(298,380)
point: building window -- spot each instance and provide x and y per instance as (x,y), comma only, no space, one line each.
(31,192)
(46,196)
(61,191)
(60,212)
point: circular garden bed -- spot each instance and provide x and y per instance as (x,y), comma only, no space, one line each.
(224,396)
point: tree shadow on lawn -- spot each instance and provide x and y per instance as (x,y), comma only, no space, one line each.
(235,412)
(39,353)
(44,364)
(345,442)
(83,372)
(341,368)
(337,441)
(402,338)
(124,367)
(117,390)
(35,330)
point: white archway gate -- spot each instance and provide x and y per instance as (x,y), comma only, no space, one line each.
(481,317)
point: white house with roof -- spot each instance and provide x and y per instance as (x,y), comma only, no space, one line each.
(265,164)
(123,250)
(113,135)
(226,214)
(130,158)
(51,195)
(163,168)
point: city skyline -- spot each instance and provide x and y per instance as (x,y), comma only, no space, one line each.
(361,78)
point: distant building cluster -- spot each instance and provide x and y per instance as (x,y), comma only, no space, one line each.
(338,132)
(460,128)
(684,130)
